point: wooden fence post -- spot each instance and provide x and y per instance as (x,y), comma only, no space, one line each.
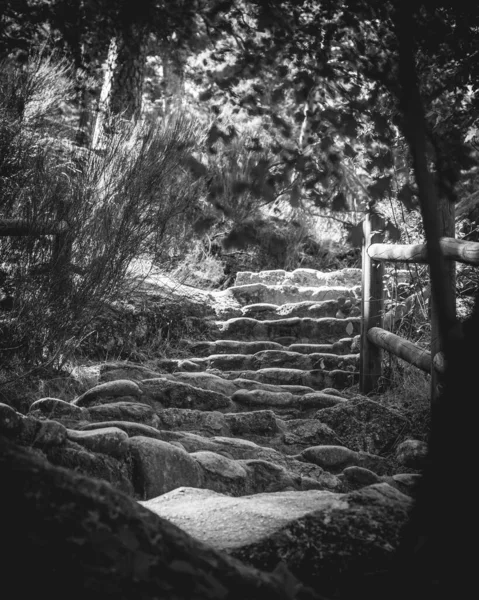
(446,223)
(372,303)
(61,258)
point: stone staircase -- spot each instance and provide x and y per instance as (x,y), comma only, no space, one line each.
(262,409)
(295,329)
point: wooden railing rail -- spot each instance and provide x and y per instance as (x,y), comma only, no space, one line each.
(452,249)
(60,262)
(374,337)
(22,227)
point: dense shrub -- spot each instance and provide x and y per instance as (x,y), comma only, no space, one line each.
(129,198)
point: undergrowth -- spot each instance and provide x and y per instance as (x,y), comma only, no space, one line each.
(407,389)
(131,196)
(20,388)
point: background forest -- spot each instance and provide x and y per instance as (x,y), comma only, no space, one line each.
(207,137)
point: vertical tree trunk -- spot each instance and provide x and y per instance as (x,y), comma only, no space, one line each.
(372,306)
(436,558)
(123,80)
(127,80)
(446,224)
(85,121)
(85,95)
(173,82)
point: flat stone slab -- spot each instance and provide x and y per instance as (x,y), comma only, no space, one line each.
(228,528)
(265,529)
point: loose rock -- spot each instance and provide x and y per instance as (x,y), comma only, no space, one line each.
(108,440)
(364,424)
(111,389)
(10,420)
(412,454)
(124,411)
(159,467)
(174,394)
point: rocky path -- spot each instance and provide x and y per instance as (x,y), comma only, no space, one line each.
(255,443)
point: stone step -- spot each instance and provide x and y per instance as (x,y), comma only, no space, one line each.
(284,404)
(257,293)
(201,380)
(276,358)
(301,277)
(339,309)
(259,426)
(305,330)
(251,384)
(342,346)
(317,380)
(200,392)
(217,383)
(228,347)
(204,392)
(313,278)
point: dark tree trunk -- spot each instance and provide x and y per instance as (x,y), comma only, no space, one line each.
(436,559)
(123,80)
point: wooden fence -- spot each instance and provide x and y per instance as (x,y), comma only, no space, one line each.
(60,260)
(374,338)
